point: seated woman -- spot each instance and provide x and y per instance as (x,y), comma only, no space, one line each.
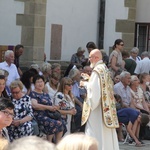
(51,87)
(21,125)
(138,101)
(131,118)
(6,116)
(64,100)
(46,70)
(41,103)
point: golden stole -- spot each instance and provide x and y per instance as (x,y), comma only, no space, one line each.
(107,99)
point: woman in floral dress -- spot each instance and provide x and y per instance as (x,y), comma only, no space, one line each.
(21,125)
(41,103)
(64,99)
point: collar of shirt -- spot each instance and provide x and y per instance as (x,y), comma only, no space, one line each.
(6,64)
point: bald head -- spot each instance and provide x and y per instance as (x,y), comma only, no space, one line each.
(96,53)
(95,56)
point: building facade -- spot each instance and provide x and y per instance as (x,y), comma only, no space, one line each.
(59,27)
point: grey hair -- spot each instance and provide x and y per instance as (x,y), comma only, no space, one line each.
(123,74)
(145,54)
(134,50)
(15,84)
(8,52)
(73,72)
(80,49)
(45,67)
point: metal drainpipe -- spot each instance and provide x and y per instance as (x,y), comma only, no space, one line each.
(101,24)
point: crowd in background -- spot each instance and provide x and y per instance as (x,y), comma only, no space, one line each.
(37,91)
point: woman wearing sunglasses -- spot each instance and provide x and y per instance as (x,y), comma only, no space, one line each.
(116,63)
(64,99)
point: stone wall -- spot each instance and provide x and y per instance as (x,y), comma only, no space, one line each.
(127,27)
(33,31)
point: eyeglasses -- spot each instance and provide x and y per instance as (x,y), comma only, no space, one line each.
(15,92)
(121,44)
(8,113)
(68,84)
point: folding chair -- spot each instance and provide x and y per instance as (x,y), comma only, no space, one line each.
(125,133)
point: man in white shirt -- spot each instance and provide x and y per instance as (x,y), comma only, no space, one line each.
(9,66)
(134,54)
(143,66)
(122,88)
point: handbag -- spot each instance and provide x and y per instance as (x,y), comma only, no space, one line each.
(54,114)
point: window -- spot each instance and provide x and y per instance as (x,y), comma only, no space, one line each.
(142,36)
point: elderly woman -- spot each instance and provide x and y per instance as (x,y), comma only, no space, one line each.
(79,95)
(138,100)
(46,70)
(64,99)
(78,58)
(116,63)
(21,125)
(6,116)
(42,104)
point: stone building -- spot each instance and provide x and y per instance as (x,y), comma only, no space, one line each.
(59,27)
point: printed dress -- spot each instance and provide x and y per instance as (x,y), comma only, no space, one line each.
(65,103)
(47,125)
(22,109)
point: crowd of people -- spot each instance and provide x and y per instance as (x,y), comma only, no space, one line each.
(120,82)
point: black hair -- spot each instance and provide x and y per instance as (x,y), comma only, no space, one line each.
(17,47)
(2,77)
(33,70)
(117,42)
(26,78)
(91,45)
(5,103)
(68,69)
(37,77)
(117,97)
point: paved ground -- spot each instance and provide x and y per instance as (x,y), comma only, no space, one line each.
(128,147)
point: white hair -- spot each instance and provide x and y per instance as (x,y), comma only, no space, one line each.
(8,52)
(73,72)
(133,77)
(134,50)
(123,74)
(46,67)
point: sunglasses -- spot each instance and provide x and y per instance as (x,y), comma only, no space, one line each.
(121,44)
(68,84)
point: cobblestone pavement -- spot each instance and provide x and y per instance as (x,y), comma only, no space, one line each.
(128,147)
